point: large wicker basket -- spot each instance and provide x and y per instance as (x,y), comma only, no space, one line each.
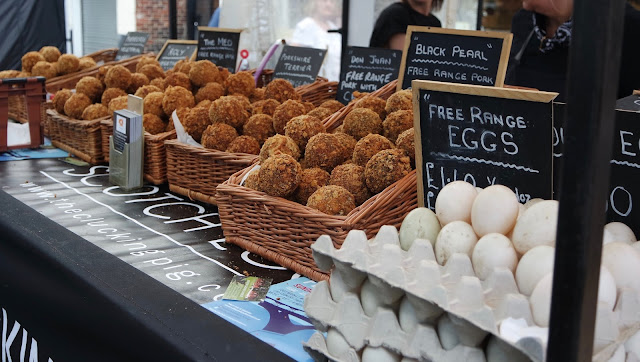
(283,231)
(196,172)
(78,137)
(155,155)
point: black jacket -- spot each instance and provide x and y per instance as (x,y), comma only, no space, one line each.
(394,19)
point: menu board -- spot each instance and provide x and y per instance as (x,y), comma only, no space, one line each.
(299,65)
(457,56)
(482,135)
(132,45)
(366,70)
(219,46)
(174,51)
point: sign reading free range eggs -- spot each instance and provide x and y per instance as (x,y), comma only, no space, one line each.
(482,135)
(457,56)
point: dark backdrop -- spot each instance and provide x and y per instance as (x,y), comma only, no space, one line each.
(29,25)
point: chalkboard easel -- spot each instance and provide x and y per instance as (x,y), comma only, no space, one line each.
(175,50)
(482,135)
(458,56)
(219,45)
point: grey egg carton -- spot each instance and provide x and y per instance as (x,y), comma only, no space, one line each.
(478,307)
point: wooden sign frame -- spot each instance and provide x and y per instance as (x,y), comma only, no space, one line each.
(507,38)
(174,41)
(467,89)
(219,30)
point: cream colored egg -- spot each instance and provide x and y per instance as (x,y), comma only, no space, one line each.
(420,223)
(493,251)
(541,301)
(379,354)
(455,237)
(494,210)
(532,202)
(617,231)
(623,261)
(636,246)
(369,298)
(336,343)
(536,226)
(607,288)
(454,202)
(447,332)
(407,316)
(534,265)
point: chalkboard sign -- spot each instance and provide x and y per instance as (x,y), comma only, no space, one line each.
(299,65)
(366,70)
(624,179)
(219,46)
(174,51)
(482,135)
(457,56)
(132,45)
(630,103)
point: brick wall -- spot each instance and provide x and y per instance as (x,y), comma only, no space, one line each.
(152,16)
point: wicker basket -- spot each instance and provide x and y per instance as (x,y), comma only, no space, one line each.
(317,92)
(69,80)
(78,137)
(283,231)
(196,172)
(155,155)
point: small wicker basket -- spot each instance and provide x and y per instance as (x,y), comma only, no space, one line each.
(155,154)
(78,137)
(282,230)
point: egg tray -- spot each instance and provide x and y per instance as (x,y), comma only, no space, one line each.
(453,289)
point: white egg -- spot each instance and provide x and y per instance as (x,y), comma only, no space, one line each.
(536,226)
(636,246)
(407,316)
(378,354)
(623,261)
(617,231)
(336,344)
(447,332)
(541,301)
(500,351)
(607,292)
(534,265)
(532,202)
(494,210)
(454,202)
(493,251)
(420,223)
(455,237)
(369,298)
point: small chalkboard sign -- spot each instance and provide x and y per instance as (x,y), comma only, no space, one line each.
(174,51)
(299,65)
(132,45)
(482,135)
(624,177)
(630,103)
(457,56)
(366,70)
(219,46)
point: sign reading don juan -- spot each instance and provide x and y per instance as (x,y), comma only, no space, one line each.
(366,70)
(299,65)
(458,56)
(174,51)
(482,135)
(132,45)
(219,46)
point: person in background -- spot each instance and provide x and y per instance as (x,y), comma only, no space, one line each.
(540,49)
(312,31)
(391,26)
(214,22)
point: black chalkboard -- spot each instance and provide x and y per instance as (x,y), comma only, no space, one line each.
(299,65)
(630,103)
(457,56)
(366,70)
(175,50)
(482,135)
(624,179)
(132,45)
(219,46)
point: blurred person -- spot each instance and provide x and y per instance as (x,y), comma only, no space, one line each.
(312,31)
(391,26)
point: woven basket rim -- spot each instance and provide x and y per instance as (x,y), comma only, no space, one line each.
(213,153)
(77,122)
